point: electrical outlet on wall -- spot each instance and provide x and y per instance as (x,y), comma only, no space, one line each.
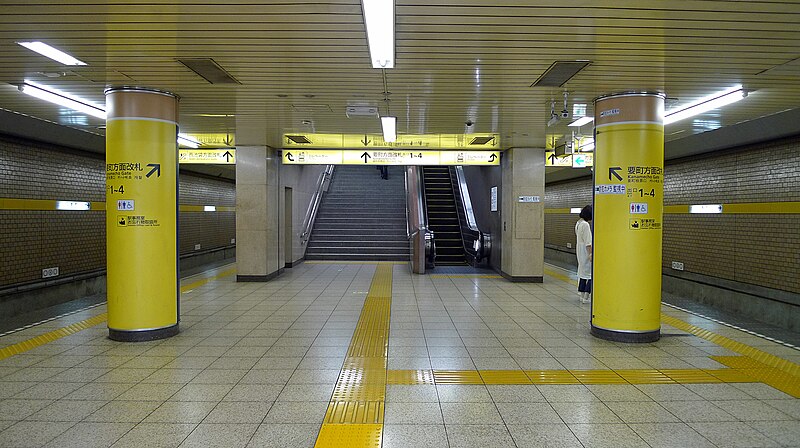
(196,247)
(569,245)
(50,272)
(677,265)
(233,240)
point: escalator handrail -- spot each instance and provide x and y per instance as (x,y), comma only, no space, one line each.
(316,200)
(469,225)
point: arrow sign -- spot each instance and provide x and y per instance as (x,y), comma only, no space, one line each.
(227,156)
(492,158)
(289,157)
(156,169)
(613,171)
(552,158)
(365,156)
(365,141)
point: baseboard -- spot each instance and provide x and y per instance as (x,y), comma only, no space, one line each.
(292,264)
(259,278)
(522,278)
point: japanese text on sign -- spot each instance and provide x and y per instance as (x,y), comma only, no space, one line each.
(609,189)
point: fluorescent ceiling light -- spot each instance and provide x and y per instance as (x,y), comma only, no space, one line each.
(581,121)
(389,125)
(706,104)
(52,53)
(209,208)
(55,96)
(379,20)
(705,208)
(185,140)
(72,205)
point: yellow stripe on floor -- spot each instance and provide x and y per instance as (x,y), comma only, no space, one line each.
(71,329)
(355,413)
(465,276)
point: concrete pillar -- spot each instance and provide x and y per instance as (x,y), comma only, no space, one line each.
(259,201)
(522,215)
(628,203)
(142,214)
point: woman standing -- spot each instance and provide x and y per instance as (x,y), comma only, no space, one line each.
(583,250)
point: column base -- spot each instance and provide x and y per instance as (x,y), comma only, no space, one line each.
(626,336)
(142,335)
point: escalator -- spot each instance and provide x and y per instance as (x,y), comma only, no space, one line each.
(443,219)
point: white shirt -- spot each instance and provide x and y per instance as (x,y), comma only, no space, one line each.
(584,238)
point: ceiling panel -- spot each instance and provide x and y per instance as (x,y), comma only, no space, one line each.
(456,60)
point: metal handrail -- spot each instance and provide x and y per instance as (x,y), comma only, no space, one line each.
(420,238)
(313,207)
(481,242)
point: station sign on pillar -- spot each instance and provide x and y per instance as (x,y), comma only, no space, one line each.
(628,206)
(142,214)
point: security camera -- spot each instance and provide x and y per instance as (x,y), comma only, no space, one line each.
(565,113)
(469,123)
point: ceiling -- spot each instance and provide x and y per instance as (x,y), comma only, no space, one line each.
(300,63)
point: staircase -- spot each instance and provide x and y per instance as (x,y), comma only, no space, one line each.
(443,217)
(361,217)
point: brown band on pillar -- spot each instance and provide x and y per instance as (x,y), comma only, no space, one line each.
(629,108)
(137,102)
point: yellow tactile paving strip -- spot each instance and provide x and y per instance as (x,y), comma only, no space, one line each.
(465,276)
(355,413)
(51,336)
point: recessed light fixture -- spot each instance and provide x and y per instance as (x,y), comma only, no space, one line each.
(705,104)
(389,125)
(185,140)
(73,205)
(52,53)
(581,121)
(379,20)
(60,98)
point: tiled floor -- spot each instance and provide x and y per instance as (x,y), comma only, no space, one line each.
(256,363)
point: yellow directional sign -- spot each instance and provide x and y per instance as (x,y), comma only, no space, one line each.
(551,159)
(311,157)
(214,140)
(207,156)
(405,141)
(389,157)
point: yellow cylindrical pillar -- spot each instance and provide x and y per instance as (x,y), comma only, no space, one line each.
(141,214)
(628,206)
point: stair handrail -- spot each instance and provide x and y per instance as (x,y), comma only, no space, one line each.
(481,242)
(420,238)
(313,207)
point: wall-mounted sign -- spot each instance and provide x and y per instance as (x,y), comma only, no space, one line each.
(389,157)
(493,199)
(582,159)
(207,156)
(214,140)
(529,199)
(405,141)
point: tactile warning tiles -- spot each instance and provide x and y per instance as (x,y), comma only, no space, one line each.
(645,376)
(504,377)
(348,412)
(409,377)
(51,336)
(778,378)
(464,276)
(551,377)
(350,436)
(457,377)
(690,376)
(597,377)
(354,417)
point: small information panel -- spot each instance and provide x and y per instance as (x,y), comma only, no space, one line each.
(529,199)
(493,194)
(551,159)
(207,156)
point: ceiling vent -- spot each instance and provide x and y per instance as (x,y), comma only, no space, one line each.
(559,73)
(361,111)
(481,140)
(209,70)
(311,108)
(299,139)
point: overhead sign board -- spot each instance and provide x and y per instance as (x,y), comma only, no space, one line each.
(214,140)
(582,159)
(405,141)
(389,157)
(551,159)
(207,156)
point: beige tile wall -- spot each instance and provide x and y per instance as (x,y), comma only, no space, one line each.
(75,241)
(755,249)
